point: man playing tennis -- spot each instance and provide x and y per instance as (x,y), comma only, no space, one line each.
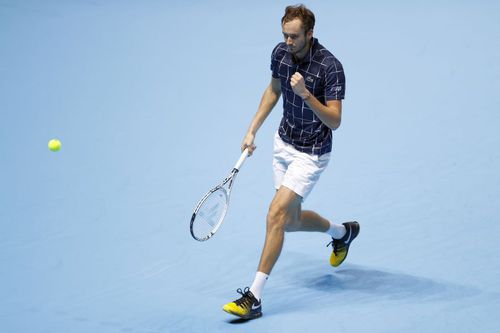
(312,83)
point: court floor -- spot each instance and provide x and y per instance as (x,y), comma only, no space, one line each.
(151,100)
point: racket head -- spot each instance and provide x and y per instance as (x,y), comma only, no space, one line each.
(209,214)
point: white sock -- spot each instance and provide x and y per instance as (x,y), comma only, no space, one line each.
(337,231)
(258,284)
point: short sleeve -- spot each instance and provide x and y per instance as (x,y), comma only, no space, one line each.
(335,82)
(274,63)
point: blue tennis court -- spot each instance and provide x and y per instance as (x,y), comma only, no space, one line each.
(151,100)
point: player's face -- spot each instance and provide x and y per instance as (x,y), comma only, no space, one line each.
(296,38)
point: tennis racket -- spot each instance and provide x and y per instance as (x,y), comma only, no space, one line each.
(212,208)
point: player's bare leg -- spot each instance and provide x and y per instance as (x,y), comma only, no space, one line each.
(342,234)
(285,215)
(309,221)
(284,209)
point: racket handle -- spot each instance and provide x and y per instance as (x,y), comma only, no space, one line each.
(242,159)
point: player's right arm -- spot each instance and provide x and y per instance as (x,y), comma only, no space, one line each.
(269,99)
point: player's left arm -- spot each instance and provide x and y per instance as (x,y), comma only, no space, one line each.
(330,114)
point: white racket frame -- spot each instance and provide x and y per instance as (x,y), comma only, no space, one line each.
(227,192)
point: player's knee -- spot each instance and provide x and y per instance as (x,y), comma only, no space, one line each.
(276,217)
(283,217)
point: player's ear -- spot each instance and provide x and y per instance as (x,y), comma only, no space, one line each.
(309,34)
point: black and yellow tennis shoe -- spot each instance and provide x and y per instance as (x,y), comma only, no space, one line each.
(246,307)
(341,246)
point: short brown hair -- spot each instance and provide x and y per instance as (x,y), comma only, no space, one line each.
(301,12)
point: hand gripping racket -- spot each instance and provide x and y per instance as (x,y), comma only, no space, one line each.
(212,208)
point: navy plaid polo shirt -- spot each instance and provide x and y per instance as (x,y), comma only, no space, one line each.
(324,78)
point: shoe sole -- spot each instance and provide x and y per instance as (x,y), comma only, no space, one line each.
(257,315)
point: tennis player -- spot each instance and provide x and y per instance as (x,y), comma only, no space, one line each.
(312,83)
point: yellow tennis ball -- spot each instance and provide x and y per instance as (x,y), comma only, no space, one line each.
(54,145)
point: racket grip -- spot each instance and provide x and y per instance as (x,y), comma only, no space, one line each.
(242,159)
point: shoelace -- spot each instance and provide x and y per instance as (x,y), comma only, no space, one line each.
(246,297)
(336,244)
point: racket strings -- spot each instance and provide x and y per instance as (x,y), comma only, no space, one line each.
(210,213)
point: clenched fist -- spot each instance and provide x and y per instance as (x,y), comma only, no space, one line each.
(299,86)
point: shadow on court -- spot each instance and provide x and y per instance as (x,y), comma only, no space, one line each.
(239,321)
(374,283)
(310,288)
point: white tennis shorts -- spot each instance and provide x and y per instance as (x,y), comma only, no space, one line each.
(296,170)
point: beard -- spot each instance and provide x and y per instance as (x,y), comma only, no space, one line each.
(295,50)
